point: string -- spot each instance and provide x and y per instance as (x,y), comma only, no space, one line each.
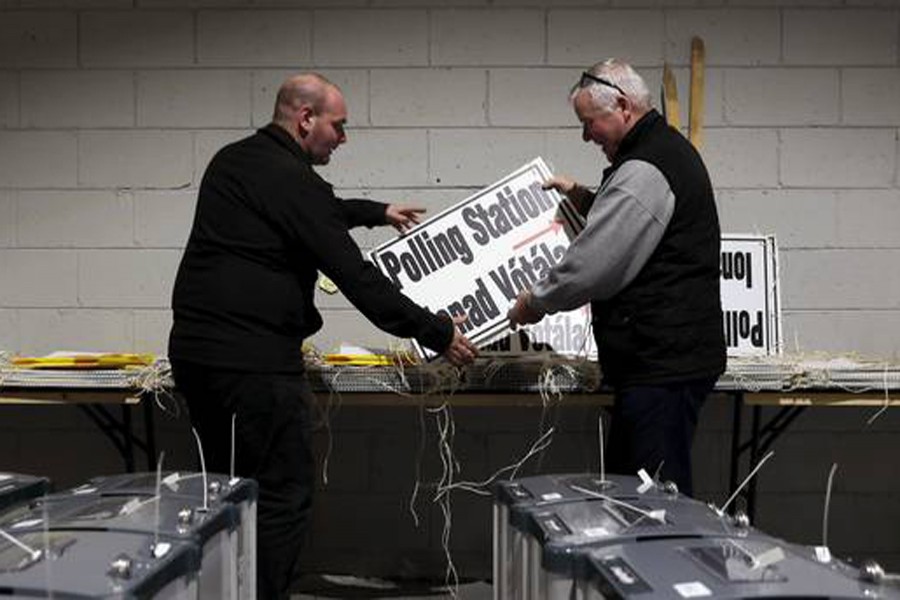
(887,398)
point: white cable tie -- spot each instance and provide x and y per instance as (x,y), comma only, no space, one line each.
(156,517)
(600,441)
(34,554)
(721,511)
(202,470)
(233,422)
(656,515)
(827,508)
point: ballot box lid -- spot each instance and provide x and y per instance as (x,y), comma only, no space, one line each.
(94,564)
(613,520)
(753,567)
(219,487)
(177,516)
(549,489)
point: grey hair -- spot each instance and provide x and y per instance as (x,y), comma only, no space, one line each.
(621,74)
(307,88)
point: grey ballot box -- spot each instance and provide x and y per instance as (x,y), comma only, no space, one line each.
(214,529)
(512,501)
(97,564)
(17,489)
(755,567)
(541,524)
(240,492)
(556,535)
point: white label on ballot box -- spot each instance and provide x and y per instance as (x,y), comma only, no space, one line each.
(692,589)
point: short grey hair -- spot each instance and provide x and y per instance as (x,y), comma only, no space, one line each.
(621,74)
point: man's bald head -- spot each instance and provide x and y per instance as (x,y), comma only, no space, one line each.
(309,89)
(312,110)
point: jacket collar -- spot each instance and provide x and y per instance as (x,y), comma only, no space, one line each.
(284,139)
(637,131)
(632,139)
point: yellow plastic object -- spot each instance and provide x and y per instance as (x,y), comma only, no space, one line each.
(84,361)
(369,360)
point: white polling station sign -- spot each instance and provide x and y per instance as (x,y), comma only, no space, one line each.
(476,256)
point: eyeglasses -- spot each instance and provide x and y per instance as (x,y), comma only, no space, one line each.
(587,79)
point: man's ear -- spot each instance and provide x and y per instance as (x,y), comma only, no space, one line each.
(305,119)
(625,105)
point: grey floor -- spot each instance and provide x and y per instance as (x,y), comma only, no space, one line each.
(468,591)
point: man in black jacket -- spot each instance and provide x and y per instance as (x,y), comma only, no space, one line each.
(648,261)
(265,225)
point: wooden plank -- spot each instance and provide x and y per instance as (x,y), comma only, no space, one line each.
(698,84)
(671,108)
(10,395)
(800,398)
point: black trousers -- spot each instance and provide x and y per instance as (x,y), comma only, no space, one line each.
(272,446)
(653,425)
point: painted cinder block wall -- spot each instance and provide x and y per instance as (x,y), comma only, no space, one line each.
(110,110)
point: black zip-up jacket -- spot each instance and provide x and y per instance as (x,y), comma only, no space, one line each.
(265,224)
(666,325)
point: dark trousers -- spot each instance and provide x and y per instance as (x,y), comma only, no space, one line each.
(653,425)
(272,446)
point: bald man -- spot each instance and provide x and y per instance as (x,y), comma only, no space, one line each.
(265,225)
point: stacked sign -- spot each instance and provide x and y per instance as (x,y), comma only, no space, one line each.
(750,299)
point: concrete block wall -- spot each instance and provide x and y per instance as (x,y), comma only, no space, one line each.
(110,110)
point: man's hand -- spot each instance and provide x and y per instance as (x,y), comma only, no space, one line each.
(461,351)
(403,216)
(577,194)
(522,313)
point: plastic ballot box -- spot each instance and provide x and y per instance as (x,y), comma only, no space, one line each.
(556,534)
(219,489)
(213,529)
(515,497)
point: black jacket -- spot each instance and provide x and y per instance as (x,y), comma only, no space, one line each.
(265,224)
(666,325)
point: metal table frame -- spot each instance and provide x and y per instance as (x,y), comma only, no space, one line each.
(98,404)
(791,405)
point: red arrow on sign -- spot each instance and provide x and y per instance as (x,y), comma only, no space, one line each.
(554,226)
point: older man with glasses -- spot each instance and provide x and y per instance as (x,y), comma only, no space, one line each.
(648,262)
